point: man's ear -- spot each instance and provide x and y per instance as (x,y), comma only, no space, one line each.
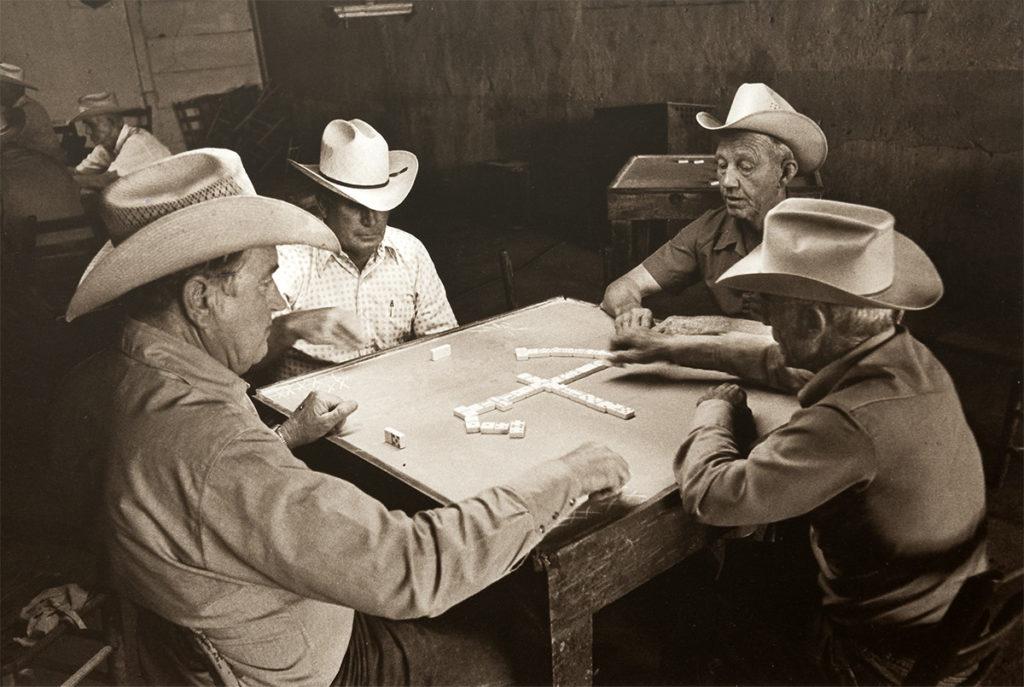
(789,170)
(197,296)
(813,322)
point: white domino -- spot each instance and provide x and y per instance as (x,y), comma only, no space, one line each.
(527,378)
(462,412)
(441,352)
(502,403)
(494,427)
(620,411)
(522,354)
(394,437)
(517,429)
(472,424)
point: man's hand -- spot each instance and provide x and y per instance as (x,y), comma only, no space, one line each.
(641,346)
(97,181)
(728,392)
(634,318)
(598,468)
(318,415)
(325,326)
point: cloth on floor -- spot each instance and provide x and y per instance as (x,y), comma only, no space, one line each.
(49,607)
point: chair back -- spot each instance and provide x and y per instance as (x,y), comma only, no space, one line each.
(140,116)
(977,626)
(56,253)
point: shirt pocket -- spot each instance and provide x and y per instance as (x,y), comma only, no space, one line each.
(391,317)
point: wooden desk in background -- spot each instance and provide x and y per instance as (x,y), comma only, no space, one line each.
(668,187)
(598,554)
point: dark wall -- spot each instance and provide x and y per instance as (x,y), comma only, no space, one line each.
(921,100)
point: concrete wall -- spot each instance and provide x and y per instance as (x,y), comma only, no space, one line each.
(153,52)
(921,100)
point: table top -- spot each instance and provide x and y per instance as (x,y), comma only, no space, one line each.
(683,172)
(403,389)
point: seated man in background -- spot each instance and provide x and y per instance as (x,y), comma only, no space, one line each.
(120,149)
(382,286)
(37,132)
(879,459)
(288,574)
(762,145)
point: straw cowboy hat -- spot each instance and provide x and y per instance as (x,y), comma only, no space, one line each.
(95,104)
(182,211)
(12,73)
(355,163)
(755,107)
(832,252)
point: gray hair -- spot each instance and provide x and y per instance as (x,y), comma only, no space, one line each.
(846,325)
(155,298)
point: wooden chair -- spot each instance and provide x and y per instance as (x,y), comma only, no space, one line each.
(508,279)
(978,625)
(56,253)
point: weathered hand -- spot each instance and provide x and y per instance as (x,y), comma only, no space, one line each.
(318,415)
(598,468)
(728,392)
(640,346)
(326,326)
(634,318)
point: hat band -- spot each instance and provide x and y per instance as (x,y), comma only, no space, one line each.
(350,185)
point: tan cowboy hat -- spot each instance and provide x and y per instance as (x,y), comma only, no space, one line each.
(95,104)
(182,211)
(355,163)
(832,252)
(12,73)
(755,107)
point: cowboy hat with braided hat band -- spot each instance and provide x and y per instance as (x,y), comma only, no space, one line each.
(183,211)
(758,108)
(13,74)
(355,163)
(95,104)
(832,252)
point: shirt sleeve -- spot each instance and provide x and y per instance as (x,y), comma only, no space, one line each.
(821,452)
(675,264)
(433,312)
(138,150)
(322,537)
(294,269)
(97,161)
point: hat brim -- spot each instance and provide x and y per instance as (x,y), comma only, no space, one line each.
(381,199)
(801,133)
(192,236)
(97,111)
(916,284)
(17,82)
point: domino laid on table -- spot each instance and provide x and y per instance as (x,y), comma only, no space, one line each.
(517,429)
(394,437)
(441,352)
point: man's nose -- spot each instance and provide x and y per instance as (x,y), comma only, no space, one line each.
(275,299)
(728,178)
(370,218)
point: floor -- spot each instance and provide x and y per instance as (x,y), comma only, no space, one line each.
(549,262)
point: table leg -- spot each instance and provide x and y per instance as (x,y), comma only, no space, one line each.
(572,651)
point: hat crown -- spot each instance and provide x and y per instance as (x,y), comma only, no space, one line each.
(92,101)
(751,98)
(848,246)
(353,152)
(176,182)
(12,71)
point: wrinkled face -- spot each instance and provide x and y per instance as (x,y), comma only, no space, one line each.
(749,175)
(241,320)
(358,228)
(790,331)
(103,130)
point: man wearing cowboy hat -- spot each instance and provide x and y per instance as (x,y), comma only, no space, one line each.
(762,145)
(288,574)
(37,132)
(382,285)
(879,459)
(120,148)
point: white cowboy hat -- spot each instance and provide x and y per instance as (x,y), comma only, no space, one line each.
(824,250)
(355,163)
(755,107)
(182,211)
(12,73)
(94,104)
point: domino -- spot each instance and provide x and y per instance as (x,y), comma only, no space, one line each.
(522,354)
(484,406)
(562,352)
(494,427)
(462,412)
(595,403)
(502,403)
(441,352)
(472,424)
(517,429)
(620,411)
(540,352)
(527,378)
(394,437)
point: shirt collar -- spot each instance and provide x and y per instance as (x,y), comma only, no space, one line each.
(822,383)
(387,245)
(732,235)
(158,349)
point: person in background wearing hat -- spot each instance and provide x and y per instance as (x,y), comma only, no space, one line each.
(382,286)
(762,145)
(289,574)
(879,459)
(37,132)
(120,148)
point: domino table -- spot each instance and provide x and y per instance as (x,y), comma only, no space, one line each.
(601,551)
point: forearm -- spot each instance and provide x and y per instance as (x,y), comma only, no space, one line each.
(752,358)
(621,296)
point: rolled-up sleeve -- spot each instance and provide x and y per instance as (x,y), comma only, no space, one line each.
(322,537)
(818,454)
(675,263)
